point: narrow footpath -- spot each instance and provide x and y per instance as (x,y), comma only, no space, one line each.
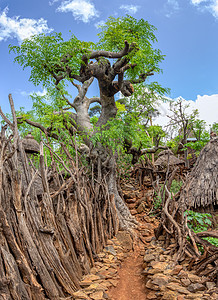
(131,285)
(142,269)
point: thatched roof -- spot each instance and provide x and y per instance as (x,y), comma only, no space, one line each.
(165,152)
(30,144)
(201,187)
(166,156)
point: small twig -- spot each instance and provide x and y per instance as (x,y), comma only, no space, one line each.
(64,185)
(61,161)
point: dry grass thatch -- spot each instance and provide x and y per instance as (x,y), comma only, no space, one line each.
(30,144)
(201,187)
(166,157)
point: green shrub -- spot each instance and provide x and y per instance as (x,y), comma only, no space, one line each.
(157,201)
(175,186)
(200,222)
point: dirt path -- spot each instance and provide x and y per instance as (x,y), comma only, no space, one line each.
(131,285)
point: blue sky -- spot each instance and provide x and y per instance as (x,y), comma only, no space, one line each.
(186,32)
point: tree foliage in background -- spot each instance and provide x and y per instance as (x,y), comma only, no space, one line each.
(56,64)
(183,125)
(123,58)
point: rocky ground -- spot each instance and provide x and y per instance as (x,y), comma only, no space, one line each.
(141,269)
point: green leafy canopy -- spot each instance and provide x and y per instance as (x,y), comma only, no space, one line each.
(138,32)
(51,54)
(45,54)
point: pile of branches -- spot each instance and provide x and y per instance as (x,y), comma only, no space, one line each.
(174,225)
(144,170)
(149,174)
(48,239)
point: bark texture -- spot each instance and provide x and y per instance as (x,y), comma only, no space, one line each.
(49,240)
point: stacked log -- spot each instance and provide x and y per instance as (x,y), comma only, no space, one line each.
(48,240)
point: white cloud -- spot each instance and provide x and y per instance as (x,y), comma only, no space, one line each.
(206,105)
(40,93)
(37,93)
(52,2)
(173,3)
(100,23)
(20,28)
(214,8)
(82,10)
(130,9)
(207,5)
(170,7)
(196,2)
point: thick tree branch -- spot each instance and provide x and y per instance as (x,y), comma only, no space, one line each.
(85,87)
(124,86)
(153,150)
(142,77)
(93,100)
(120,66)
(101,53)
(6,119)
(120,79)
(120,63)
(128,66)
(137,152)
(81,78)
(81,100)
(46,131)
(208,234)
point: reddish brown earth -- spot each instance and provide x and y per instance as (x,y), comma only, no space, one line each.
(131,285)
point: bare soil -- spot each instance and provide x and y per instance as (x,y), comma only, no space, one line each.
(131,285)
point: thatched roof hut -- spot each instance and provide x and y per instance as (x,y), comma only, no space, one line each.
(200,190)
(30,144)
(165,157)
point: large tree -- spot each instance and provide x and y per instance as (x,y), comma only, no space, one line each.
(123,57)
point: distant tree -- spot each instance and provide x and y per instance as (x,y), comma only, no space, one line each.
(142,108)
(123,58)
(214,128)
(201,134)
(182,122)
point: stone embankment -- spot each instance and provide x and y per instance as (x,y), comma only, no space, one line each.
(166,281)
(142,269)
(104,274)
